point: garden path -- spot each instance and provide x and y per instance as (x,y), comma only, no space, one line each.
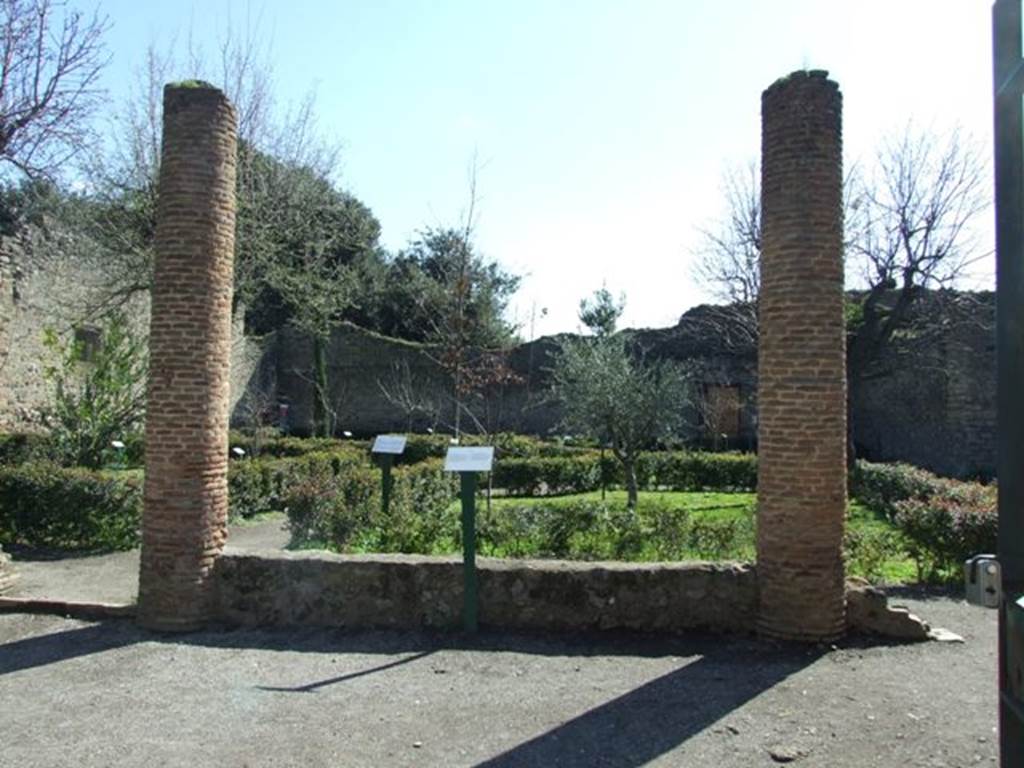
(114,577)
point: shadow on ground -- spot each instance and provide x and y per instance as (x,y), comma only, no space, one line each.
(715,676)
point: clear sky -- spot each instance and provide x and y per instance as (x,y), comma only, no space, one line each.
(601,128)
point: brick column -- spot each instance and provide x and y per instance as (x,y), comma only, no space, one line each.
(185,515)
(801,492)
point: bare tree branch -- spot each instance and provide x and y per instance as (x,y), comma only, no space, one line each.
(48,83)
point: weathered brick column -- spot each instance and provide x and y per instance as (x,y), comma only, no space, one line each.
(185,517)
(801,492)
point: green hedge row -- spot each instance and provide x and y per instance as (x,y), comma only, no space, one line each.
(343,510)
(672,470)
(943,521)
(44,505)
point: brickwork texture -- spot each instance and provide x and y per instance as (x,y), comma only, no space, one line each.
(801,362)
(185,513)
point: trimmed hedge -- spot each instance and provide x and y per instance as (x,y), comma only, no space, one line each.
(259,485)
(675,470)
(943,521)
(45,505)
(882,486)
(343,510)
(595,530)
(954,522)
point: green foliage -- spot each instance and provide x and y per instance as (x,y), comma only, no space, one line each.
(956,522)
(882,486)
(942,522)
(343,510)
(283,446)
(260,485)
(548,475)
(626,403)
(440,290)
(601,313)
(19,448)
(95,400)
(585,529)
(43,505)
(576,471)
(870,551)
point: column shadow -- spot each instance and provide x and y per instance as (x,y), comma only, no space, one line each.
(658,716)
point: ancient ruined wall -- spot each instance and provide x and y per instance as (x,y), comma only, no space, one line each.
(185,497)
(47,280)
(930,399)
(51,282)
(802,383)
(411,592)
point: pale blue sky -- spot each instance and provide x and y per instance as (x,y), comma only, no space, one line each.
(602,128)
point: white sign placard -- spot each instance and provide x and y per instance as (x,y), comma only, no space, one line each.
(477,459)
(388,444)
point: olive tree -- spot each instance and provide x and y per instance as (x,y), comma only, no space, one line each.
(619,398)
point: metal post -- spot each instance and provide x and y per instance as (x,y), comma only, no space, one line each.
(1008,85)
(469,593)
(386,460)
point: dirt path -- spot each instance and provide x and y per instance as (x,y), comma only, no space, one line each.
(114,578)
(110,694)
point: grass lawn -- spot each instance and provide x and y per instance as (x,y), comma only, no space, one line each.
(669,525)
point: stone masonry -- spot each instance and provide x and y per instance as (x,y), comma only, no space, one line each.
(801,362)
(185,512)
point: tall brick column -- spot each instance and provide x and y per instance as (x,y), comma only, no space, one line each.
(801,492)
(185,517)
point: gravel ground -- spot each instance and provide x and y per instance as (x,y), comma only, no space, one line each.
(114,578)
(76,693)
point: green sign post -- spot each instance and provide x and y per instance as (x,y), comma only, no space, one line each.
(468,462)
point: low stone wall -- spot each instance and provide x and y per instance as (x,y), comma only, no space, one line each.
(406,591)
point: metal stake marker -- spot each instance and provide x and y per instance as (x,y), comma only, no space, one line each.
(469,588)
(468,462)
(386,460)
(386,447)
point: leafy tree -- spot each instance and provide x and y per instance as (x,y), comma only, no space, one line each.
(48,85)
(621,400)
(306,269)
(601,313)
(441,291)
(98,392)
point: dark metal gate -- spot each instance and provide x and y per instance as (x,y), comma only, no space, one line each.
(1008,86)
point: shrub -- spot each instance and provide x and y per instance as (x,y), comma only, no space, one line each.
(43,505)
(582,471)
(260,485)
(548,475)
(19,448)
(882,486)
(262,446)
(421,516)
(956,521)
(98,394)
(339,506)
(867,550)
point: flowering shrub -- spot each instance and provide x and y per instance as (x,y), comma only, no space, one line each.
(954,522)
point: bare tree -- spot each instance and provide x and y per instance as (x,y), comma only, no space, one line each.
(49,73)
(727,259)
(909,228)
(413,394)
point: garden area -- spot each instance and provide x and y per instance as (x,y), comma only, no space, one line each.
(544,499)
